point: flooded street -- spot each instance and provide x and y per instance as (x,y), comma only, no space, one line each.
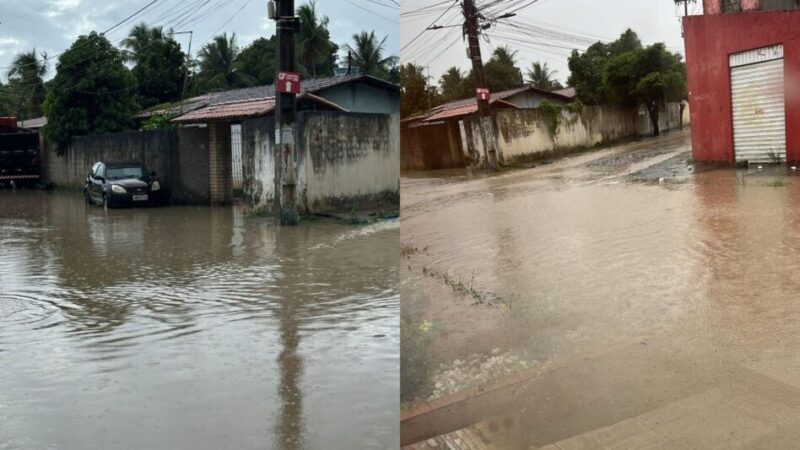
(197,328)
(626,301)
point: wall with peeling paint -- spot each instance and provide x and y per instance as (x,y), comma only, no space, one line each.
(345,161)
(526,133)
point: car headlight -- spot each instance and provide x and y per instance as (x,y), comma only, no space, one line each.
(118,189)
(155,186)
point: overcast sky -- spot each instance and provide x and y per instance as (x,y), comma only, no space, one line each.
(544,31)
(52,25)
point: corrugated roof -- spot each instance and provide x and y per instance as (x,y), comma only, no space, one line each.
(33,124)
(437,112)
(467,110)
(245,109)
(566,92)
(312,86)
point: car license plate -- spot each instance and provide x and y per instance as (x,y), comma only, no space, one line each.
(140,198)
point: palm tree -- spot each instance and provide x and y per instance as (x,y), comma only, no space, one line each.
(141,37)
(452,84)
(218,65)
(313,38)
(540,76)
(368,52)
(26,83)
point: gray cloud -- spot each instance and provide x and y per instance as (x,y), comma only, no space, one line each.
(52,25)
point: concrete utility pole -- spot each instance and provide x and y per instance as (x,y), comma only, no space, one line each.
(481,91)
(287,86)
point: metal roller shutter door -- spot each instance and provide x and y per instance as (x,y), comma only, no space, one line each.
(759,120)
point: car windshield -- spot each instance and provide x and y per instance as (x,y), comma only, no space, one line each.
(120,173)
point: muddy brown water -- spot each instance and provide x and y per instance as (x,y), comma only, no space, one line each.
(193,328)
(586,262)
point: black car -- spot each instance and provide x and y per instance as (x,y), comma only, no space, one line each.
(122,183)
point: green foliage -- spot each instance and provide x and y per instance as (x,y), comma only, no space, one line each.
(158,122)
(552,115)
(368,54)
(25,93)
(159,68)
(219,68)
(92,92)
(416,93)
(501,71)
(650,76)
(258,60)
(540,76)
(315,50)
(455,85)
(587,69)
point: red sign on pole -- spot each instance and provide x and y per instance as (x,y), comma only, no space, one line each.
(483,94)
(288,82)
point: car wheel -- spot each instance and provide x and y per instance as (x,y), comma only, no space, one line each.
(87,197)
(105,201)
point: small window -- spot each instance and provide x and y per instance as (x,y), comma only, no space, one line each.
(731,5)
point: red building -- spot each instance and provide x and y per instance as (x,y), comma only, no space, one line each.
(743,69)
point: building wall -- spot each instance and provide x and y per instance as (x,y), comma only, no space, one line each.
(346,161)
(178,157)
(431,147)
(525,133)
(709,40)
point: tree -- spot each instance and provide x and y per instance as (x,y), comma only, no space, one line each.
(219,68)
(416,94)
(159,64)
(540,76)
(368,54)
(258,60)
(26,84)
(315,50)
(501,71)
(92,92)
(650,76)
(454,85)
(587,69)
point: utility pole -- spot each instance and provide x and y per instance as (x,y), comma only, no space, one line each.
(486,126)
(287,86)
(186,67)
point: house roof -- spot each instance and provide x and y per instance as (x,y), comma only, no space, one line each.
(566,92)
(239,110)
(468,104)
(258,93)
(33,124)
(467,110)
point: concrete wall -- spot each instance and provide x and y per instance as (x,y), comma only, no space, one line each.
(345,161)
(709,40)
(434,146)
(526,133)
(177,156)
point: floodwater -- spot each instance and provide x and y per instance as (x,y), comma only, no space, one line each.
(620,280)
(196,328)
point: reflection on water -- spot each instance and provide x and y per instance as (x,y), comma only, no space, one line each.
(193,328)
(629,296)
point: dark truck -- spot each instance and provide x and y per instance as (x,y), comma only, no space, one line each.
(20,155)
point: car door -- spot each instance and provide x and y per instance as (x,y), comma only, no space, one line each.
(97,182)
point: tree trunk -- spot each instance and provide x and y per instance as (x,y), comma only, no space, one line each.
(652,111)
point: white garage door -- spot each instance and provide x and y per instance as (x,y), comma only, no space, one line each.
(759,120)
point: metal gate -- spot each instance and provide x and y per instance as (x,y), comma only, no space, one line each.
(759,120)
(236,157)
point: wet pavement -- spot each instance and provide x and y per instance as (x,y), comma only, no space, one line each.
(194,328)
(630,284)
